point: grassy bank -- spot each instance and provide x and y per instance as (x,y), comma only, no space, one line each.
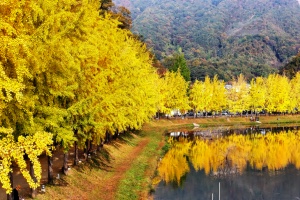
(124,168)
(136,182)
(225,121)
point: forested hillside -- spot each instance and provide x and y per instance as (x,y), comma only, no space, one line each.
(226,37)
(291,68)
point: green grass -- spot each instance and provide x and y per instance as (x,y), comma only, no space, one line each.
(135,183)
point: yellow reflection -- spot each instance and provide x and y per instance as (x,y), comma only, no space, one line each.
(174,164)
(231,154)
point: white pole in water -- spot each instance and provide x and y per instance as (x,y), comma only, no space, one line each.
(219,191)
(212,196)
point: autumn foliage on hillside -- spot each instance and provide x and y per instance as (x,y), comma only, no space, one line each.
(224,37)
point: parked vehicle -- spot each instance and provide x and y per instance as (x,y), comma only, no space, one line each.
(224,113)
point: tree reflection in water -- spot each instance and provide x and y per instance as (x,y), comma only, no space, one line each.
(231,155)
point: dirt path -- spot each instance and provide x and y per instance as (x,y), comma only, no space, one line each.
(110,186)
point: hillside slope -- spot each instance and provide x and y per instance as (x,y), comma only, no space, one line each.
(227,37)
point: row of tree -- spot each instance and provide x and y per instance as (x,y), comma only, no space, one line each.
(275,93)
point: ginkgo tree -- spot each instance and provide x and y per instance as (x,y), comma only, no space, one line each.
(218,99)
(172,93)
(14,151)
(278,93)
(92,80)
(238,95)
(257,94)
(18,99)
(295,93)
(195,96)
(209,95)
(66,55)
(116,83)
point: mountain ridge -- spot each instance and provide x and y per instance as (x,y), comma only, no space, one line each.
(224,37)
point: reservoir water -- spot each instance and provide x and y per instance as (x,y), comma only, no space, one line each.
(251,185)
(253,164)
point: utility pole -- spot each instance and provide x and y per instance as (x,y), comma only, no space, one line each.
(219,191)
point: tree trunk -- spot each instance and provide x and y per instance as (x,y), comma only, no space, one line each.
(88,144)
(115,136)
(50,169)
(65,164)
(33,191)
(107,137)
(86,149)
(10,196)
(76,159)
(99,147)
(91,146)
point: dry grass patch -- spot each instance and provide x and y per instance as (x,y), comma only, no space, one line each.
(85,182)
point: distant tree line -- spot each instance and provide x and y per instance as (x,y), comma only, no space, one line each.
(275,93)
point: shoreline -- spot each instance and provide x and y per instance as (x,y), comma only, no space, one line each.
(205,122)
(143,158)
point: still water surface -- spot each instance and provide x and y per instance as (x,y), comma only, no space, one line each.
(259,166)
(251,185)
